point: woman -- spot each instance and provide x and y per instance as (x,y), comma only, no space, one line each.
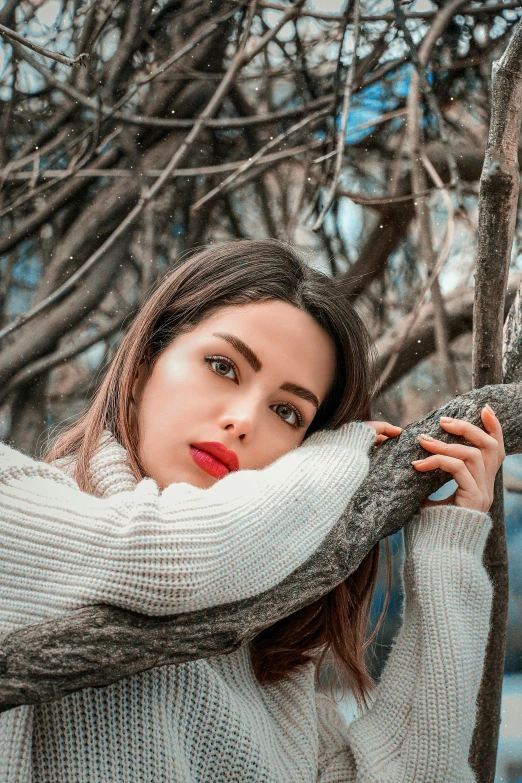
(223,444)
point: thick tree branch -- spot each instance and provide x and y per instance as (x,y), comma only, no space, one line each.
(99,645)
(498,196)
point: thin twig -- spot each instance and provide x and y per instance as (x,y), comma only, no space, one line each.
(443,256)
(74,62)
(62,175)
(420,67)
(243,166)
(112,111)
(239,60)
(483,8)
(223,186)
(165,122)
(347,97)
(197,171)
(98,31)
(17,163)
(391,115)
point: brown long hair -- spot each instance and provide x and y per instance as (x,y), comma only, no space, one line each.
(237,273)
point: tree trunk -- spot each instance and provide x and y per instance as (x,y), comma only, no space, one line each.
(498,196)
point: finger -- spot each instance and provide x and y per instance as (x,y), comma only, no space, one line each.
(471,456)
(456,467)
(494,428)
(489,445)
(385,428)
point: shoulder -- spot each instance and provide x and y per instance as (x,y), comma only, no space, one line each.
(15,465)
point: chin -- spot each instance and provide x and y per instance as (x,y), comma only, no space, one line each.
(202,481)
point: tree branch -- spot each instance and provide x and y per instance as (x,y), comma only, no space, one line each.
(74,62)
(99,645)
(420,343)
(345,111)
(498,197)
(512,359)
(419,79)
(240,59)
(484,8)
(415,313)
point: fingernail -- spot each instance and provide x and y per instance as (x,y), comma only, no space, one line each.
(415,461)
(426,437)
(490,409)
(445,418)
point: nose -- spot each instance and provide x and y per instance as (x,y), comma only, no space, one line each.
(240,418)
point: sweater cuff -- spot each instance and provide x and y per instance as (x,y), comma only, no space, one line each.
(447,527)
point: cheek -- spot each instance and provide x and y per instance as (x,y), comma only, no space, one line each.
(167,394)
(180,392)
(273,442)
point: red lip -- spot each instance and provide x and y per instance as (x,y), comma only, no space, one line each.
(220,452)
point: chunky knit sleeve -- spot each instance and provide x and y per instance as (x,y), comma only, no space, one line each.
(178,550)
(420,724)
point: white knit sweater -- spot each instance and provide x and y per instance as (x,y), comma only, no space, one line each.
(187,548)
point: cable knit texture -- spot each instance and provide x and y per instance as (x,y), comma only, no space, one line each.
(187,548)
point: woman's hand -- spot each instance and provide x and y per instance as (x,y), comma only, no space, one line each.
(474,469)
(384,430)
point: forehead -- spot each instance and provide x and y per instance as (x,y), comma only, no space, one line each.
(283,337)
(266,319)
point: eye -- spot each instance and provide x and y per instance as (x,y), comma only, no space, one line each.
(222,366)
(286,412)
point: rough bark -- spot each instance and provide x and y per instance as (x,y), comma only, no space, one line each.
(99,645)
(512,360)
(498,196)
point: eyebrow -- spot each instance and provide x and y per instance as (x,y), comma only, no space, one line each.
(256,365)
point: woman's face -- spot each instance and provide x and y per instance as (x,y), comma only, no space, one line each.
(249,377)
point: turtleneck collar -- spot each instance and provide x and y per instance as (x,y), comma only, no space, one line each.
(109,467)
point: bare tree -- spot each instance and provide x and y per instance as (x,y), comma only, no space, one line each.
(94,149)
(86,149)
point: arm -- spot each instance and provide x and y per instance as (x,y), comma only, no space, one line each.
(180,550)
(420,724)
